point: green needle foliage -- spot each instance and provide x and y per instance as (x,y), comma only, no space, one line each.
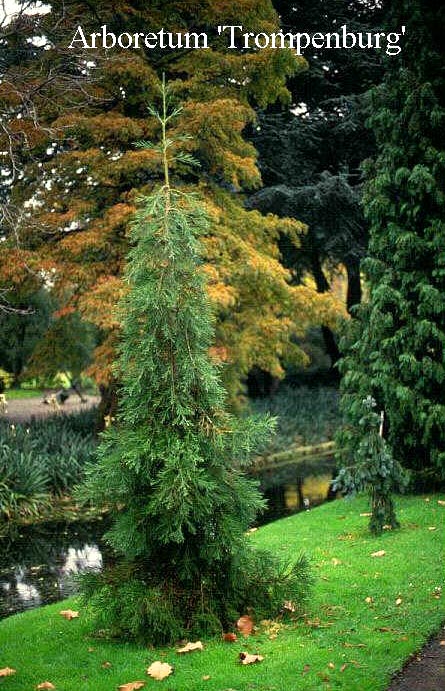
(375,470)
(172,466)
(394,349)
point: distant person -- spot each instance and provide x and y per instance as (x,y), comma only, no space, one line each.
(3,401)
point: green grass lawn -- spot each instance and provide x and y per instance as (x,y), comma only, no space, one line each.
(366,616)
(18,394)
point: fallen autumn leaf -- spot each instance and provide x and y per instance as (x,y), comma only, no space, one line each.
(229,637)
(159,670)
(131,686)
(245,625)
(379,553)
(7,671)
(190,647)
(248,659)
(45,685)
(69,614)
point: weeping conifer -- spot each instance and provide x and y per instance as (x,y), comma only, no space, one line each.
(172,467)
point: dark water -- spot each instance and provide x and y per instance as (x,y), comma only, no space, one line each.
(296,487)
(38,564)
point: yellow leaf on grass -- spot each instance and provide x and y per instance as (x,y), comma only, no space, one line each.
(369,600)
(69,614)
(45,685)
(206,677)
(380,553)
(367,514)
(132,686)
(335,561)
(190,647)
(159,670)
(331,665)
(441,502)
(248,659)
(106,665)
(399,601)
(7,671)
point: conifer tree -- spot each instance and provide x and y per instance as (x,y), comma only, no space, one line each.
(394,349)
(172,466)
(374,470)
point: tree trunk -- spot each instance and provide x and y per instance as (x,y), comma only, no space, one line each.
(108,405)
(354,294)
(322,287)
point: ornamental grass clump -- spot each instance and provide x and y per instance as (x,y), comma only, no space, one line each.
(172,466)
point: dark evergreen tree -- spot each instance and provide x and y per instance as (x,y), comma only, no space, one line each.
(310,154)
(172,466)
(395,347)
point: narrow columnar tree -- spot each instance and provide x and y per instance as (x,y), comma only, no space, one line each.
(395,348)
(172,465)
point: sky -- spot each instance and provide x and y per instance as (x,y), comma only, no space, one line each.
(9,7)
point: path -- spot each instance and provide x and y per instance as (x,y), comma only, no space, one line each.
(426,671)
(22,410)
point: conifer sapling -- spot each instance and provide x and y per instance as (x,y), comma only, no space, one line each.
(172,467)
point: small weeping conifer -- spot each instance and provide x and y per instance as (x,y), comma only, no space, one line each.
(172,467)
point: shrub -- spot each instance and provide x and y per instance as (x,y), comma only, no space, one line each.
(306,415)
(41,458)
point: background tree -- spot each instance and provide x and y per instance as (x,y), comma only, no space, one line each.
(80,186)
(172,466)
(311,152)
(21,327)
(394,349)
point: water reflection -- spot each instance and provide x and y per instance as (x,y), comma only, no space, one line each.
(289,489)
(39,563)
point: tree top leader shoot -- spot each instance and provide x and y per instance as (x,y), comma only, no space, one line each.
(237,38)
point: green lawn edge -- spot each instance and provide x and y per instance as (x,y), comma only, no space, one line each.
(344,642)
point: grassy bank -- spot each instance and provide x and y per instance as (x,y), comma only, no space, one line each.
(19,394)
(366,616)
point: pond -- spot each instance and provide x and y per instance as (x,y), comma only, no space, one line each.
(39,563)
